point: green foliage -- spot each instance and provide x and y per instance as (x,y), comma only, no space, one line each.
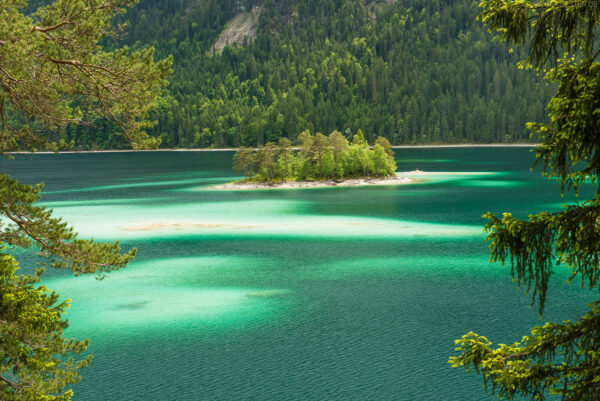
(422,71)
(556,359)
(28,225)
(243,161)
(286,157)
(565,33)
(385,144)
(320,157)
(36,362)
(561,359)
(53,75)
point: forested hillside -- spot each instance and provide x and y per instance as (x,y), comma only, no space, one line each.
(418,71)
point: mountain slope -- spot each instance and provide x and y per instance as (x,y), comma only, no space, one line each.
(421,71)
(241,30)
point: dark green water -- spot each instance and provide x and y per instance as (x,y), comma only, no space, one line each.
(327,294)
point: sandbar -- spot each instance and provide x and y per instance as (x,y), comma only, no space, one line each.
(181,226)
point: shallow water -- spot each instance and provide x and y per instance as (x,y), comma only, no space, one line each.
(325,293)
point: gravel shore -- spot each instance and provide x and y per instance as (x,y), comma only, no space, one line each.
(352,182)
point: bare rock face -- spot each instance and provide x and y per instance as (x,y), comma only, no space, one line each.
(241,28)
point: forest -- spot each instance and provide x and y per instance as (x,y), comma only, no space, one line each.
(413,72)
(320,157)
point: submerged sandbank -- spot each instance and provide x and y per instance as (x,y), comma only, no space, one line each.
(352,182)
(181,226)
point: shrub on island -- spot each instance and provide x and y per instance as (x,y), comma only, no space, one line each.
(319,157)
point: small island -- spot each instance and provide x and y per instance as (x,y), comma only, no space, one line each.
(319,161)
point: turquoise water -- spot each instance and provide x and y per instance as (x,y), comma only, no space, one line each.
(328,293)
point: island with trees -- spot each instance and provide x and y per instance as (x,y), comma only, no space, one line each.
(318,161)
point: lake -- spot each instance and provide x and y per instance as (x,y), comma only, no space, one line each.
(321,294)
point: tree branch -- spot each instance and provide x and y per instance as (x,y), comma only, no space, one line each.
(10,383)
(53,27)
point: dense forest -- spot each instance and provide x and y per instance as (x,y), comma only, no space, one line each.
(320,157)
(419,71)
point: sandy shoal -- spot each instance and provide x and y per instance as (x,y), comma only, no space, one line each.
(353,182)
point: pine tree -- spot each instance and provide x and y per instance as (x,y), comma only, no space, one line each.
(285,154)
(385,144)
(320,147)
(53,74)
(243,161)
(562,359)
(339,144)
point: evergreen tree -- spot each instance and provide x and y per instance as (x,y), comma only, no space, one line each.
(332,157)
(54,75)
(31,342)
(320,148)
(243,161)
(339,144)
(306,140)
(556,358)
(385,144)
(285,155)
(265,161)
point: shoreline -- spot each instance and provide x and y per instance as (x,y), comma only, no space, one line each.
(471,145)
(397,179)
